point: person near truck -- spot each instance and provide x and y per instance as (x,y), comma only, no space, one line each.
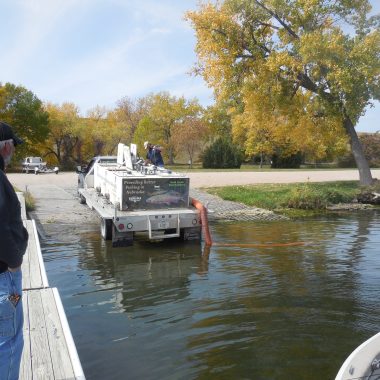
(13,243)
(153,154)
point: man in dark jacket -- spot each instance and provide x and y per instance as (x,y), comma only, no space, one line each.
(153,154)
(13,243)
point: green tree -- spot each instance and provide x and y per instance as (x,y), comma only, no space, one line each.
(25,112)
(219,120)
(222,153)
(293,60)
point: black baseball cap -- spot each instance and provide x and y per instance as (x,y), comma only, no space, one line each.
(6,133)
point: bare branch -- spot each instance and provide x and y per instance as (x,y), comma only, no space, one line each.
(277,17)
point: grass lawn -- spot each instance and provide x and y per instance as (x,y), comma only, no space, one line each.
(249,168)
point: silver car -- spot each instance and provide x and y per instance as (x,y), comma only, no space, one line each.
(31,163)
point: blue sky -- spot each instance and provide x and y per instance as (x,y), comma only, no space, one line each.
(95,52)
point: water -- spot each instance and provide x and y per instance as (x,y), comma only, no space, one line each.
(170,311)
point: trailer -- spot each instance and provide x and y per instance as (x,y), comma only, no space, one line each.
(43,169)
(131,197)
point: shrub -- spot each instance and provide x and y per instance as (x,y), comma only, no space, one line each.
(30,203)
(308,197)
(346,161)
(222,154)
(293,161)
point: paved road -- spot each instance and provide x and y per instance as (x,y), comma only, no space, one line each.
(207,179)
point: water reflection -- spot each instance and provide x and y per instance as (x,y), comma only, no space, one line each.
(172,311)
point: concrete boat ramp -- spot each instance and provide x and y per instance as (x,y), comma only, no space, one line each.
(58,209)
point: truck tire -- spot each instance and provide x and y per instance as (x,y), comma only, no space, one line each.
(106,229)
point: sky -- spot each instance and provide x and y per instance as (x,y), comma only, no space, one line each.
(96,52)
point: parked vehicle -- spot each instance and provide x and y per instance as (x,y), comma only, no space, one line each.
(30,163)
(131,197)
(37,166)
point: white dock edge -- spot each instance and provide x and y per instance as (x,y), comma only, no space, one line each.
(77,366)
(45,354)
(39,256)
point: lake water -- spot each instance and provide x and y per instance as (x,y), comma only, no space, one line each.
(170,311)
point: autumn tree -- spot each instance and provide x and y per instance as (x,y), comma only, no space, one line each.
(371,146)
(218,120)
(305,62)
(128,114)
(163,113)
(189,137)
(63,136)
(24,111)
(97,125)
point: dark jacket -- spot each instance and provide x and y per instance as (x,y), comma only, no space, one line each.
(13,235)
(154,155)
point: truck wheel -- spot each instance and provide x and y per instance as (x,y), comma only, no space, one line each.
(106,229)
(82,199)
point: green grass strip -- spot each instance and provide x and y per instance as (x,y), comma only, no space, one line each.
(305,196)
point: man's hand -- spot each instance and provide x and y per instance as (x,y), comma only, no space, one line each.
(14,269)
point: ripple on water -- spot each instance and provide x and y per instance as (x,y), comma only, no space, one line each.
(164,311)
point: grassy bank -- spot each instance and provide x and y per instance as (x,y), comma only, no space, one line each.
(301,196)
(30,203)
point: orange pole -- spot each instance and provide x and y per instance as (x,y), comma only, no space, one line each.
(204,220)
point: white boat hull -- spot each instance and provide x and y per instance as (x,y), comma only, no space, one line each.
(364,362)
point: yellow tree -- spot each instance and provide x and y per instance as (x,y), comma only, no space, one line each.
(262,130)
(189,137)
(128,114)
(289,53)
(97,122)
(163,113)
(62,137)
(219,120)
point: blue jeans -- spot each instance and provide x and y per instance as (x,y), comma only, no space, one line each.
(11,321)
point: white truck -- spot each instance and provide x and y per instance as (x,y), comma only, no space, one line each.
(131,197)
(36,165)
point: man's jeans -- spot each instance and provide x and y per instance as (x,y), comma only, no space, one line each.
(11,321)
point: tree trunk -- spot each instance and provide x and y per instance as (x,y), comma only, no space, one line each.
(171,156)
(365,175)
